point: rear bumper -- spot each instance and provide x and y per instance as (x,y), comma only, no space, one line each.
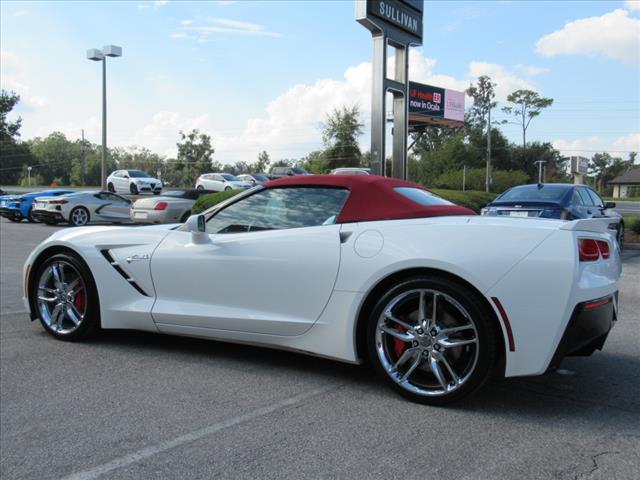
(7,212)
(587,329)
(149,216)
(47,216)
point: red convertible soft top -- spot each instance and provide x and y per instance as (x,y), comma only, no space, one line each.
(372,197)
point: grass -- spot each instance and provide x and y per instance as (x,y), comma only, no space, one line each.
(625,199)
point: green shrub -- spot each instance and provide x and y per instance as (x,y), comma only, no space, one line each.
(502,179)
(635,226)
(207,201)
(36,180)
(472,199)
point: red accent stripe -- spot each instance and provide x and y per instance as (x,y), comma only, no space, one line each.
(596,304)
(507,325)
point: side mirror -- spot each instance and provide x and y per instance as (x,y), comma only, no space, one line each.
(198,228)
(610,205)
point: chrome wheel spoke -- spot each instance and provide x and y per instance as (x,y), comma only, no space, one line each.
(405,337)
(56,273)
(413,366)
(443,359)
(422,315)
(456,342)
(47,299)
(437,372)
(432,321)
(73,314)
(406,355)
(447,331)
(389,316)
(72,285)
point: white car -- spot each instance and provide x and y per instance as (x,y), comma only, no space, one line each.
(219,182)
(134,182)
(351,171)
(171,207)
(354,268)
(82,208)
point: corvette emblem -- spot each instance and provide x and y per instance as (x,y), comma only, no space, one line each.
(134,258)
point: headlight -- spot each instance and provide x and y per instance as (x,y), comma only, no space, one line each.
(484,211)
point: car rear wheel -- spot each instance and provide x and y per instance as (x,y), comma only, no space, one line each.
(200,187)
(30,216)
(226,189)
(432,340)
(133,188)
(111,188)
(65,298)
(79,217)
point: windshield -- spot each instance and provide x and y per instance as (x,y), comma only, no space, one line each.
(533,193)
(422,197)
(138,174)
(229,178)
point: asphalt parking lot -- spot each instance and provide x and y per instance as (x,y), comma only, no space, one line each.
(135,405)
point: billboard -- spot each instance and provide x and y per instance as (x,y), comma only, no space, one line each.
(579,165)
(429,105)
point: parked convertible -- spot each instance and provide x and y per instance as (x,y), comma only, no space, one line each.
(172,207)
(18,207)
(81,208)
(556,200)
(374,269)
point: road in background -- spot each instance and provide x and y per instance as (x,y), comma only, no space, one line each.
(130,405)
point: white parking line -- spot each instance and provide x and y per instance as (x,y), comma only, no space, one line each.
(13,313)
(196,435)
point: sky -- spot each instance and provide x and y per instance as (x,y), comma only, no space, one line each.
(263,75)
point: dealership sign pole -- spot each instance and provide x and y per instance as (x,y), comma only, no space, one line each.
(397,23)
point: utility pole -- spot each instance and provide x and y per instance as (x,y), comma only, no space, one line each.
(464,178)
(540,163)
(488,179)
(84,165)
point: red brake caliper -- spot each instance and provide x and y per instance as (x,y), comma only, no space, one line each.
(398,345)
(79,301)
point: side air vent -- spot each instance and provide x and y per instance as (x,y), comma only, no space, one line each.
(124,274)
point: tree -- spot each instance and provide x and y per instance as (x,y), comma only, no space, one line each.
(195,156)
(525,105)
(14,155)
(340,135)
(262,165)
(483,94)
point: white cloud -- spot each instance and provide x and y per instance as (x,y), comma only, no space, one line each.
(179,36)
(630,142)
(587,147)
(632,5)
(160,3)
(532,70)
(213,26)
(614,34)
(142,6)
(161,134)
(506,82)
(13,76)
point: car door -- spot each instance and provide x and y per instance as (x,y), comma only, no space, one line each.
(599,210)
(269,268)
(588,208)
(113,207)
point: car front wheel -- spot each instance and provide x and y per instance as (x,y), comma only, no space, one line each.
(133,188)
(620,236)
(65,298)
(432,340)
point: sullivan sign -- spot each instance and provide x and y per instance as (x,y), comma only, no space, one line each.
(404,16)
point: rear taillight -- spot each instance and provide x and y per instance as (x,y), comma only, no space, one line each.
(588,248)
(604,248)
(58,202)
(591,250)
(161,206)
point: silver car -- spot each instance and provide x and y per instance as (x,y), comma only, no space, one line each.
(172,207)
(81,208)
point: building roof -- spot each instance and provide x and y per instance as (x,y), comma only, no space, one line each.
(372,197)
(632,177)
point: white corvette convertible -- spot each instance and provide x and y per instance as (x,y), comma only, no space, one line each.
(355,268)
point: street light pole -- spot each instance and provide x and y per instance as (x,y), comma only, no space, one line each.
(540,162)
(101,56)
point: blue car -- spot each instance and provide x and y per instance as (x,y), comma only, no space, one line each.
(18,207)
(565,201)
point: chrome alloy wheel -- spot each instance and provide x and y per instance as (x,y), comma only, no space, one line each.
(62,300)
(427,342)
(79,217)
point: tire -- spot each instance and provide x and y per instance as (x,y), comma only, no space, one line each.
(420,360)
(15,219)
(199,187)
(30,218)
(66,311)
(620,236)
(133,189)
(226,189)
(185,217)
(111,188)
(79,217)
